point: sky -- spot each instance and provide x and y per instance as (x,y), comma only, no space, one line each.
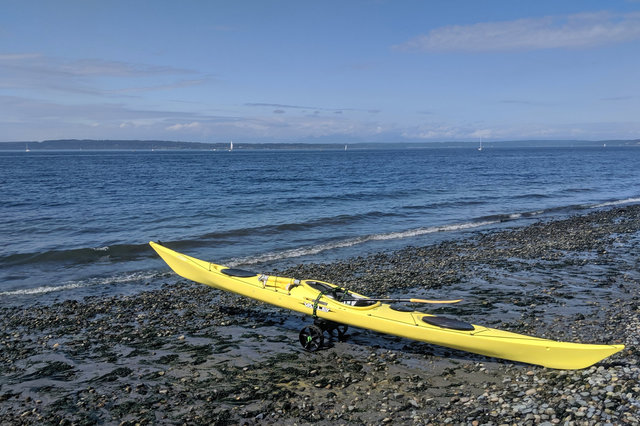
(319,71)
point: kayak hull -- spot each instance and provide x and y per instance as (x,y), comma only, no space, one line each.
(315,298)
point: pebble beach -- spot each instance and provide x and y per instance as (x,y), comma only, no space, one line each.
(188,354)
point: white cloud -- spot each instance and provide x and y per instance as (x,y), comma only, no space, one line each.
(573,31)
(434,131)
(38,63)
(18,56)
(134,124)
(185,126)
(83,76)
(176,85)
(284,107)
(482,133)
(28,119)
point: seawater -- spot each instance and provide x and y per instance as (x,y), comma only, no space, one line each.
(77,223)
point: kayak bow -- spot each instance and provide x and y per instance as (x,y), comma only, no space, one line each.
(334,308)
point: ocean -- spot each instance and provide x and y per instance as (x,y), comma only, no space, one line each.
(78,223)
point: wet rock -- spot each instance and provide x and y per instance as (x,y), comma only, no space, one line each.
(191,355)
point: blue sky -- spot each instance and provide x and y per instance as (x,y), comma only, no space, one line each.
(319,71)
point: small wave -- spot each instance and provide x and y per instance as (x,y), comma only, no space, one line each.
(616,203)
(575,190)
(430,230)
(513,216)
(461,203)
(312,250)
(80,255)
(104,281)
(40,290)
(534,196)
(277,229)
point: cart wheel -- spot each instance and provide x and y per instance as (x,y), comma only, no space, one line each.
(311,338)
(337,330)
(342,330)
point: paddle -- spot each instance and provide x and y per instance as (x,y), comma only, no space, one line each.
(404,300)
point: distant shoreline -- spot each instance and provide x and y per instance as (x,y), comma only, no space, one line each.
(158,145)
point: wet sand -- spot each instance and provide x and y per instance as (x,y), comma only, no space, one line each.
(190,354)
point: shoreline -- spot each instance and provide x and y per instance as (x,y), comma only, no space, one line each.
(190,354)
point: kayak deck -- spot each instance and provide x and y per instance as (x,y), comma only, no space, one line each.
(323,301)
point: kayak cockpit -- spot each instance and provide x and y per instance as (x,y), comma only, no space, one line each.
(241,273)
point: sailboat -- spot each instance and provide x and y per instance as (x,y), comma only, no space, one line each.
(480,147)
(27,150)
(230,146)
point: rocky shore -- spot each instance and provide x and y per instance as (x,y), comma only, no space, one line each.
(188,354)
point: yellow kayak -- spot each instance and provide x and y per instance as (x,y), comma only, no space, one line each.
(335,308)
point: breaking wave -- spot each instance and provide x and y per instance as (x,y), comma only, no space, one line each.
(616,203)
(312,250)
(92,282)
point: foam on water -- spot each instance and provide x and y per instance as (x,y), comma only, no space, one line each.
(616,203)
(42,290)
(73,285)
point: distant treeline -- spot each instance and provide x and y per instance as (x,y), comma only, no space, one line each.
(150,145)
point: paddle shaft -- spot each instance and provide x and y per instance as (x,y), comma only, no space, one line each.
(405,300)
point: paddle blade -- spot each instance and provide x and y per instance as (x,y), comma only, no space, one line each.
(434,301)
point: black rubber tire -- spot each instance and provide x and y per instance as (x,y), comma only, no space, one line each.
(342,330)
(311,338)
(334,329)
(337,330)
